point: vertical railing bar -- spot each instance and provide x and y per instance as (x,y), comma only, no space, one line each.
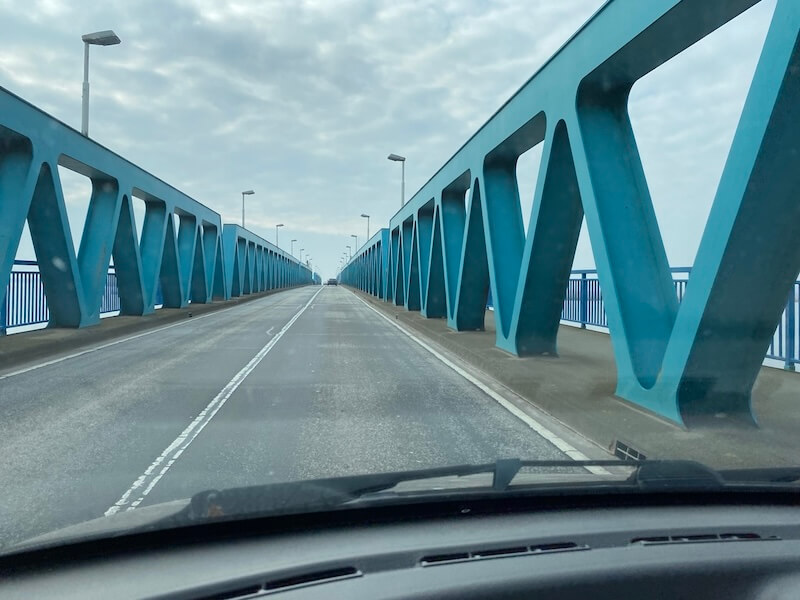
(582,299)
(790,333)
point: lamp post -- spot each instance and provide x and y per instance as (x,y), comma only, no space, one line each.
(246,193)
(367,218)
(351,252)
(355,237)
(98,38)
(292,247)
(301,254)
(402,161)
(279,225)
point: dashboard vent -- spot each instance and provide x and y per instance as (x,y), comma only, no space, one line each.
(469,556)
(305,579)
(249,591)
(660,540)
(259,589)
(500,552)
(444,558)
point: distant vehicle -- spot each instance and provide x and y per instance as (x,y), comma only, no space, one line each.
(333,281)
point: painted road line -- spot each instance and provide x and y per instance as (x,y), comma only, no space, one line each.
(538,427)
(145,483)
(120,341)
(269,331)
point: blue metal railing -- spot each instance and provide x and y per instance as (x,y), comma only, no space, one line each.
(583,304)
(26,304)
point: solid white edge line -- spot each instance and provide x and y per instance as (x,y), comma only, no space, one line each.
(119,341)
(543,431)
(152,475)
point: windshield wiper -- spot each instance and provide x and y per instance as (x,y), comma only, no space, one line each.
(762,475)
(323,494)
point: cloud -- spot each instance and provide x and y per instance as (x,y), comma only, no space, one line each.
(303,100)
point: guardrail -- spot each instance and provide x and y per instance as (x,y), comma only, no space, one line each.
(25,301)
(584,305)
(583,301)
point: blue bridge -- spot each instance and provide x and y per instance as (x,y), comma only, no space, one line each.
(197,261)
(436,371)
(441,255)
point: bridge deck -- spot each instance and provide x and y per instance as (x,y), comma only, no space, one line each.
(339,390)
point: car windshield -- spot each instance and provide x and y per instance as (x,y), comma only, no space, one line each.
(267,258)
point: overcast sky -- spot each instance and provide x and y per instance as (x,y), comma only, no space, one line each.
(303,100)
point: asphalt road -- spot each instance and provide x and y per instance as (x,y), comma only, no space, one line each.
(302,384)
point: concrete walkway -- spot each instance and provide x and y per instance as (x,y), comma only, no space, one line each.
(577,389)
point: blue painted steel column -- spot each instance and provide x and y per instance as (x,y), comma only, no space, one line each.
(548,252)
(186,244)
(18,177)
(410,266)
(128,266)
(453,220)
(473,274)
(397,268)
(151,250)
(95,252)
(385,266)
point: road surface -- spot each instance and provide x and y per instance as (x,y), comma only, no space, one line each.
(301,384)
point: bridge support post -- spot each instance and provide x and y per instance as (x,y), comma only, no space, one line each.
(3,313)
(583,300)
(791,321)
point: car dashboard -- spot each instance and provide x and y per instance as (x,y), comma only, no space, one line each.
(727,551)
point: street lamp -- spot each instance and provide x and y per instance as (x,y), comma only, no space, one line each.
(247,193)
(292,247)
(367,218)
(402,161)
(301,254)
(351,252)
(356,238)
(276,233)
(98,38)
